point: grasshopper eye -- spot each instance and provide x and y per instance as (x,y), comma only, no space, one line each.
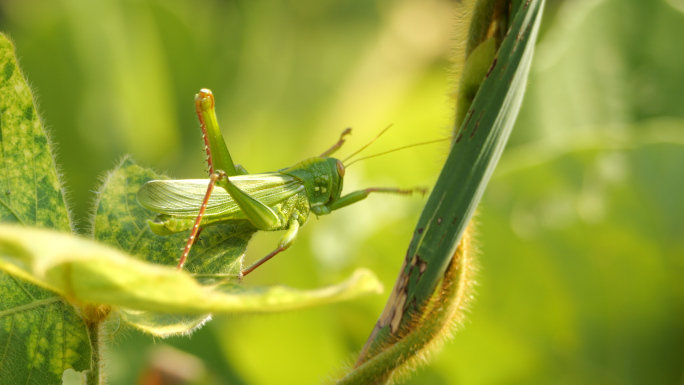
(340,168)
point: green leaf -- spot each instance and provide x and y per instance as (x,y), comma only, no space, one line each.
(41,334)
(30,191)
(476,150)
(88,272)
(121,222)
(163,324)
(477,147)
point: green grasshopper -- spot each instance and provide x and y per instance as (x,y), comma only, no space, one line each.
(271,201)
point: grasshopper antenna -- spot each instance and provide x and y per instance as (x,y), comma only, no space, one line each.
(367,144)
(396,149)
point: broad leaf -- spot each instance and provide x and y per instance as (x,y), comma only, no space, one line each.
(30,191)
(41,335)
(121,222)
(88,272)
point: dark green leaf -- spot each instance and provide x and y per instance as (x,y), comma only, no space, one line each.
(121,222)
(41,335)
(30,192)
(476,149)
(478,144)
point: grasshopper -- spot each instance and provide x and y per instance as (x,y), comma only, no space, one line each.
(271,201)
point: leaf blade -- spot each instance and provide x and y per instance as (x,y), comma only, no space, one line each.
(30,190)
(41,335)
(88,272)
(31,195)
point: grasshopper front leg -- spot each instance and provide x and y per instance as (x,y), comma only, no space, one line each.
(360,195)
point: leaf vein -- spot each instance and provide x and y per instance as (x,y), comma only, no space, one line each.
(11,210)
(113,231)
(9,339)
(29,306)
(18,283)
(128,207)
(136,241)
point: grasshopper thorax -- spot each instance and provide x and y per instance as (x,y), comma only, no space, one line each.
(322,178)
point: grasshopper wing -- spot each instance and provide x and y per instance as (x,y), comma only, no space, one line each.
(183,198)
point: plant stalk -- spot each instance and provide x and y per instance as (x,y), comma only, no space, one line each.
(93,376)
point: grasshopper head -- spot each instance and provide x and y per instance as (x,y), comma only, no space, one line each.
(322,178)
(332,177)
(337,172)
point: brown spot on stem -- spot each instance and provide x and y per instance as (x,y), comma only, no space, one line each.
(492,67)
(422,267)
(503,71)
(477,124)
(398,315)
(470,115)
(395,302)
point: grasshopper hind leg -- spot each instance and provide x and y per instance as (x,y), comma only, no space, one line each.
(196,229)
(197,236)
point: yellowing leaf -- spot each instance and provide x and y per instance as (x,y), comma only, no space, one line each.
(87,272)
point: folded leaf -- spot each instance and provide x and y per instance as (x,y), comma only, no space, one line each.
(84,271)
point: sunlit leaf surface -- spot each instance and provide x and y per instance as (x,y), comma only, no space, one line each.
(41,335)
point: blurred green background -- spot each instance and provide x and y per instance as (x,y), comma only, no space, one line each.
(580,232)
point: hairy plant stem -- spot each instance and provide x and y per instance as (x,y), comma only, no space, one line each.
(426,331)
(94,317)
(93,376)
